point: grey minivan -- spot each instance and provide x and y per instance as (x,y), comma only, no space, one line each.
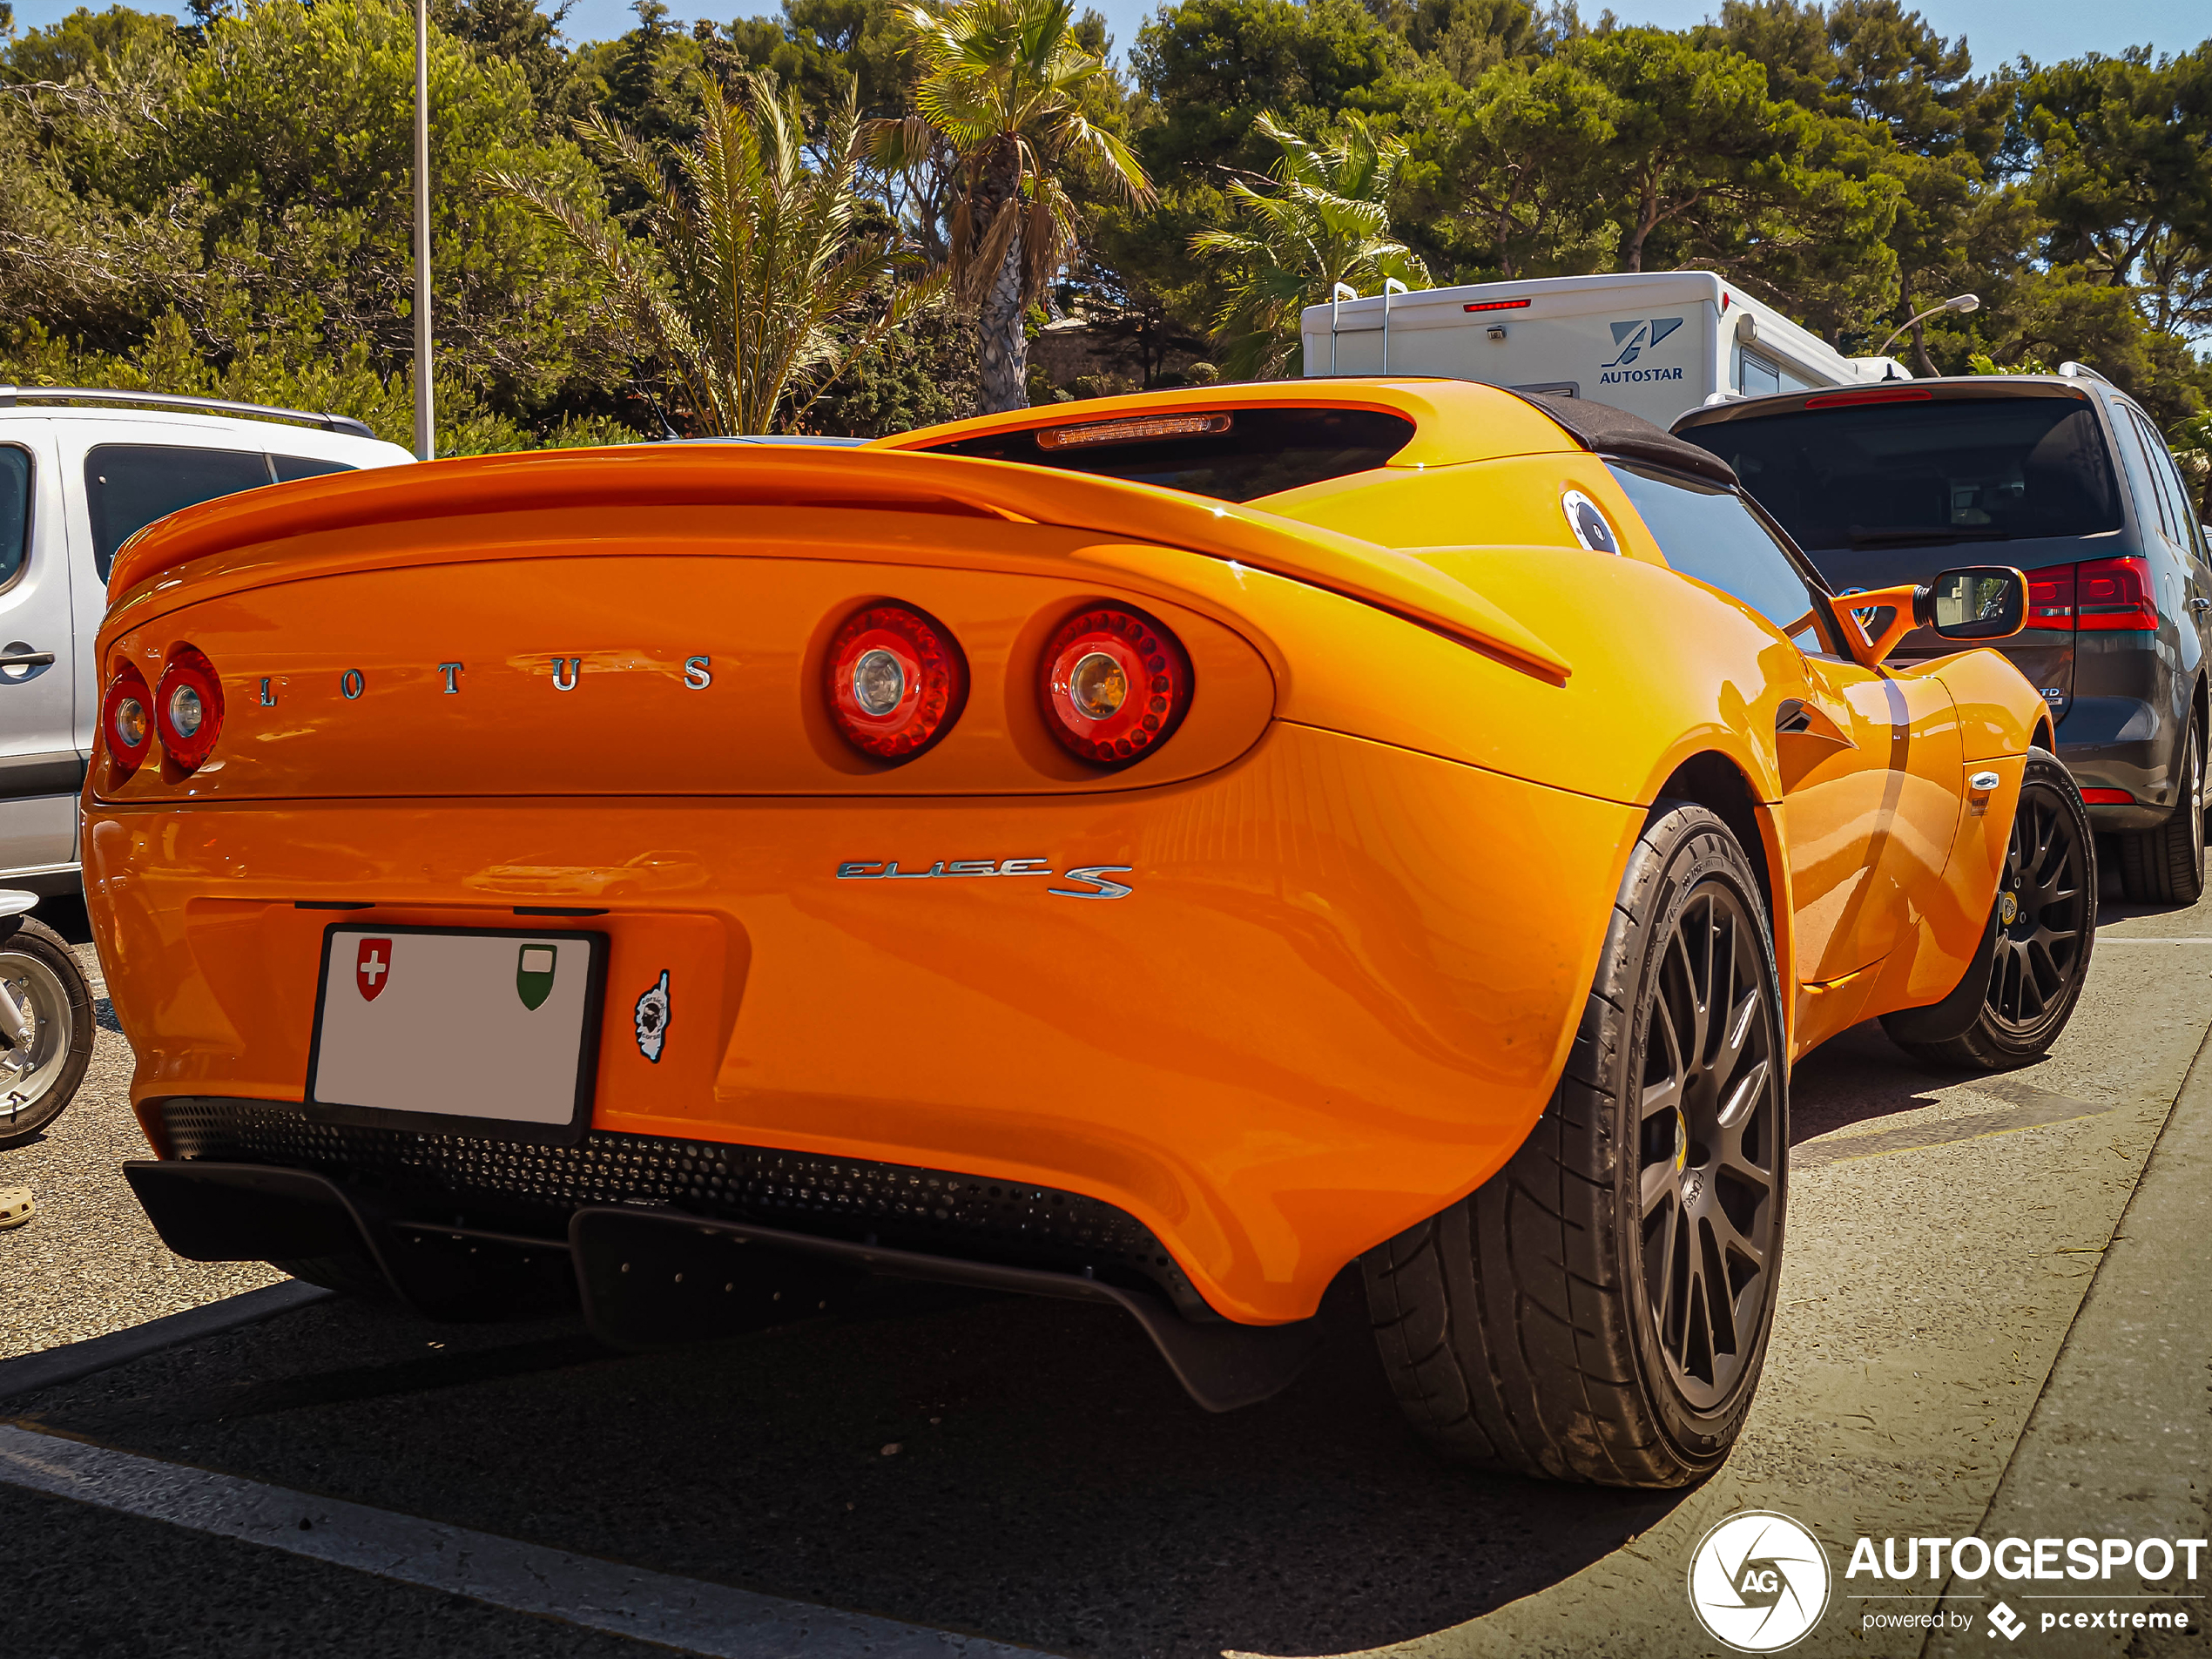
(2064,476)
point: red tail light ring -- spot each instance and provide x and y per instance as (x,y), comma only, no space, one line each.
(126,718)
(897,681)
(188,707)
(1116,686)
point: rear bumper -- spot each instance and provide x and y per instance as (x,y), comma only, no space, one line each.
(644,1276)
(2121,743)
(1335,1000)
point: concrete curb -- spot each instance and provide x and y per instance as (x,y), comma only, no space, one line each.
(2120,1441)
(66,1365)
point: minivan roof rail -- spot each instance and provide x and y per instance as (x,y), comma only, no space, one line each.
(2074,371)
(11,395)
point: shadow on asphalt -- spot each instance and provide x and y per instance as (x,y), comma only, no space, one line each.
(1051,1485)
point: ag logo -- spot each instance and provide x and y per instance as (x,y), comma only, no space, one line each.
(1758,1582)
(1632,340)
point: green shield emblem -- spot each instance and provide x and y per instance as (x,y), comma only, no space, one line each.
(534,974)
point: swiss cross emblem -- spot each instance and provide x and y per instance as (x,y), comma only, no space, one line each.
(372,967)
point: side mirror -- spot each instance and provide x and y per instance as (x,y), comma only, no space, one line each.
(1974,602)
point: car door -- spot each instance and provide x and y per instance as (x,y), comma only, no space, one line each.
(40,767)
(1869,759)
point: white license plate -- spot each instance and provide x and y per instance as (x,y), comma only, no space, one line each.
(496,1028)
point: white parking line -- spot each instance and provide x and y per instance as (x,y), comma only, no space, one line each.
(681,1613)
(2141,938)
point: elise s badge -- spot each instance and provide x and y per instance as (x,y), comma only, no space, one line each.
(1096,878)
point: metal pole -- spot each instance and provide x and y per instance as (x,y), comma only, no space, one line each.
(426,440)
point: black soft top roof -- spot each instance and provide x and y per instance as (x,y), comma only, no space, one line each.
(1616,432)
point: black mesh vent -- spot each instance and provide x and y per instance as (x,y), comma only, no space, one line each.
(506,1184)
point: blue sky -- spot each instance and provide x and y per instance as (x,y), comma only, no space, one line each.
(1996,29)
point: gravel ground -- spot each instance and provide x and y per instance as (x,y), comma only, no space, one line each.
(88,1262)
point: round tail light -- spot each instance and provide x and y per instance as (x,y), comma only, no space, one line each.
(1116,684)
(897,681)
(188,707)
(126,718)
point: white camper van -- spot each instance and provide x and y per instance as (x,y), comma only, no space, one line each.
(1654,343)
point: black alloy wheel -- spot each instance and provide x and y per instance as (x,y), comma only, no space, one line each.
(2042,914)
(1600,1308)
(2045,922)
(1710,1108)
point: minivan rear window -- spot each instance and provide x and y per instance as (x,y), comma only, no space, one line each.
(1231,455)
(15,511)
(1932,473)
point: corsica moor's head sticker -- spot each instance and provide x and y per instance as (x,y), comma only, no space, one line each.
(1758,1582)
(652,1019)
(1588,522)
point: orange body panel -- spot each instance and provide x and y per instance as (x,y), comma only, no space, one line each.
(1371,874)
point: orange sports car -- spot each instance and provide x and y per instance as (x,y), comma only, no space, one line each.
(1164,850)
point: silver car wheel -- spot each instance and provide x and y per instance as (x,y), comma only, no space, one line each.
(38,1029)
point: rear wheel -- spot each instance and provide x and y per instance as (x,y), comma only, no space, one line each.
(2047,921)
(2166,865)
(46,1027)
(1599,1309)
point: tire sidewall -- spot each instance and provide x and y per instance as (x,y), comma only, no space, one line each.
(31,937)
(2004,1043)
(1697,846)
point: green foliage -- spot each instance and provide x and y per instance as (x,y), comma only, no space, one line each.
(1005,88)
(754,285)
(1326,221)
(226,204)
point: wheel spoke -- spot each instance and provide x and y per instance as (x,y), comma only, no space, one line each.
(1658,1182)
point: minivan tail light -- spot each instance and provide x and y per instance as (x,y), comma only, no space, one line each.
(1114,685)
(2050,597)
(188,707)
(126,718)
(2116,593)
(897,681)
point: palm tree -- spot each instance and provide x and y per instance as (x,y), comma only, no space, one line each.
(1001,83)
(753,289)
(1325,222)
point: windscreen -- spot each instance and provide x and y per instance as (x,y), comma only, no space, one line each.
(1231,455)
(1932,474)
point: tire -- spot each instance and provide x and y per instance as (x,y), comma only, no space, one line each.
(355,1276)
(2043,948)
(1556,1321)
(2166,865)
(39,1078)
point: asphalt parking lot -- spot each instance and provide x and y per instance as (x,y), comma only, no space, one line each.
(1027,1474)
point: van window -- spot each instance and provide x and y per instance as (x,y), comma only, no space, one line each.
(1923,473)
(1756,377)
(127,486)
(2174,507)
(2189,530)
(15,511)
(289,467)
(1708,533)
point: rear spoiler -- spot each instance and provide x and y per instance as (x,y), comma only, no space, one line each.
(845,481)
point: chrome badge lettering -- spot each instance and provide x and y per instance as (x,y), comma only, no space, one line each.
(1094,876)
